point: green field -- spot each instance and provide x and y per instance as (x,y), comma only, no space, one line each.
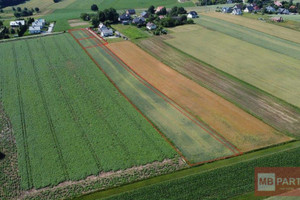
(69,120)
(196,143)
(270,71)
(131,32)
(255,37)
(226,179)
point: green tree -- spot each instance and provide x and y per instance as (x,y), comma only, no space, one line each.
(94,7)
(37,9)
(95,22)
(151,10)
(19,9)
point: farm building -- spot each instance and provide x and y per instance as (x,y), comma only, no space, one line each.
(276,19)
(124,17)
(139,21)
(104,31)
(192,14)
(144,14)
(151,26)
(237,11)
(17,23)
(249,9)
(227,10)
(34,30)
(130,12)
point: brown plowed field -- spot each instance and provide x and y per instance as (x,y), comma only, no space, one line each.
(237,126)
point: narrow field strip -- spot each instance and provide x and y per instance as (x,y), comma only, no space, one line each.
(204,147)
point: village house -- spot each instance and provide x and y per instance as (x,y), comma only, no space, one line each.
(139,21)
(124,17)
(17,23)
(158,9)
(283,11)
(227,10)
(249,9)
(130,12)
(145,14)
(237,11)
(277,3)
(34,30)
(192,14)
(151,26)
(270,9)
(36,26)
(104,31)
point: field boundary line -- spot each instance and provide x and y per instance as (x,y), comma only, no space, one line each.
(114,84)
(168,99)
(49,118)
(23,122)
(92,100)
(166,179)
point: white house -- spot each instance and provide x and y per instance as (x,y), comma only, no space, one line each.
(34,30)
(237,11)
(104,31)
(17,23)
(248,9)
(39,23)
(192,14)
(151,26)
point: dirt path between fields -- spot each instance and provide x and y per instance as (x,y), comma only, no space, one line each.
(282,116)
(237,126)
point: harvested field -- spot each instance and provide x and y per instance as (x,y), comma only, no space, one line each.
(196,142)
(281,116)
(270,29)
(238,127)
(275,73)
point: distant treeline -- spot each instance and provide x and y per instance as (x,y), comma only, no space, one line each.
(214,2)
(5,3)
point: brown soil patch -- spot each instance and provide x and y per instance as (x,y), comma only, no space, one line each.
(237,126)
(77,22)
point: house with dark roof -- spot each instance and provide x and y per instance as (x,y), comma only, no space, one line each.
(139,21)
(124,17)
(130,12)
(145,14)
(192,14)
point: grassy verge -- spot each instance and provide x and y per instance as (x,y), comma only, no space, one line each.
(130,31)
(284,155)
